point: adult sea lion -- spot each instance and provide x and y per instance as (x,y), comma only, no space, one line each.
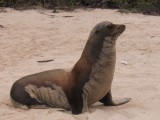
(88,82)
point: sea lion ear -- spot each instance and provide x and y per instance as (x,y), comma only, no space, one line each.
(108,38)
(98,28)
(110,25)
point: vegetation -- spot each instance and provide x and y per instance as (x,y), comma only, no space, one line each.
(145,6)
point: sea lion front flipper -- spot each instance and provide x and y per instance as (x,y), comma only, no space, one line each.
(85,103)
(107,100)
(76,101)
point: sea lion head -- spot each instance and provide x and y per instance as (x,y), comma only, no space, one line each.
(103,34)
(107,29)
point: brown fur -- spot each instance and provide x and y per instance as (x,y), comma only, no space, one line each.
(73,82)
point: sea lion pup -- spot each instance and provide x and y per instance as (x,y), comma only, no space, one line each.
(88,82)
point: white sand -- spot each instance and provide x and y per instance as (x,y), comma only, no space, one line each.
(34,35)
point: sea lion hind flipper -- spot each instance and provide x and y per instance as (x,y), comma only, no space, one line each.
(108,101)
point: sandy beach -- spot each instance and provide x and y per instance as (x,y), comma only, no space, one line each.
(36,35)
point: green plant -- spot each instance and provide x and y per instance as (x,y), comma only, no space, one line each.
(1,1)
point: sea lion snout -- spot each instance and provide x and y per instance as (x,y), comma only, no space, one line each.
(119,27)
(118,30)
(122,27)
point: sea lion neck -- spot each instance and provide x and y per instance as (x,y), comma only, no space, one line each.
(91,53)
(92,49)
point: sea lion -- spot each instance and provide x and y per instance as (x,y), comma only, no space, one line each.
(87,82)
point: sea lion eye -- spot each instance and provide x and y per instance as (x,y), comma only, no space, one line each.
(110,26)
(97,31)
